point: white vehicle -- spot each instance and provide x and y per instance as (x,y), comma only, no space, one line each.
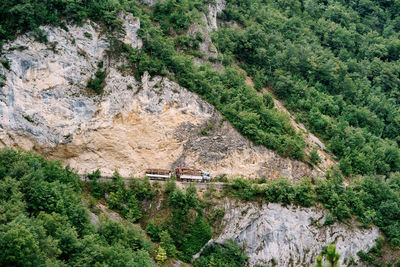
(192,175)
(183,174)
(158,174)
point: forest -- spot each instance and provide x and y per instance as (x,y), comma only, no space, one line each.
(333,63)
(44,223)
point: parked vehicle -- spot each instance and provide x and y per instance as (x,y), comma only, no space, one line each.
(185,174)
(158,174)
(182,174)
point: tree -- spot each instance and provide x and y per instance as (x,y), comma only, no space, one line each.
(132,211)
(319,261)
(304,194)
(314,157)
(168,244)
(161,255)
(330,255)
(19,246)
(153,230)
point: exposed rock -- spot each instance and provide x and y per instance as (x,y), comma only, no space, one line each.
(149,2)
(289,236)
(131,25)
(94,219)
(114,216)
(44,96)
(206,46)
(213,10)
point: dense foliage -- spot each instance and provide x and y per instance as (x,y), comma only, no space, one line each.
(121,198)
(186,231)
(181,235)
(20,16)
(230,254)
(43,221)
(334,63)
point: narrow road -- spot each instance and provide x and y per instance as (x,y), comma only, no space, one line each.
(104,179)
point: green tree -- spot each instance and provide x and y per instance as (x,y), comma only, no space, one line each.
(314,157)
(132,210)
(332,256)
(161,256)
(168,244)
(19,246)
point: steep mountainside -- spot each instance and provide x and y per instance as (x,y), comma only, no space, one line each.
(245,89)
(131,126)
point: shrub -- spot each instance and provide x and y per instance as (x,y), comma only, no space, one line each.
(154,231)
(97,83)
(280,191)
(304,193)
(314,157)
(167,243)
(229,254)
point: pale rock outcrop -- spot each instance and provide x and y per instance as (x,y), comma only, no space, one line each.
(149,2)
(214,9)
(131,26)
(290,236)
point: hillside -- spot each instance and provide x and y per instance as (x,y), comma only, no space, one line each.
(134,123)
(292,106)
(337,70)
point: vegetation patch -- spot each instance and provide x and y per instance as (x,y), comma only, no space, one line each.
(98,82)
(43,221)
(333,63)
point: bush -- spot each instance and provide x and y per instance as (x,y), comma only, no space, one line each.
(97,83)
(196,238)
(314,157)
(154,231)
(168,244)
(142,189)
(229,254)
(304,193)
(280,191)
(6,63)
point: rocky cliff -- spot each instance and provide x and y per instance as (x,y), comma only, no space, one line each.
(289,236)
(131,126)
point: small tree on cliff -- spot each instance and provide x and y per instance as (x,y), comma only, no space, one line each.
(330,255)
(161,256)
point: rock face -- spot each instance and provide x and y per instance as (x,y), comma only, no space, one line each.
(133,125)
(213,10)
(289,236)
